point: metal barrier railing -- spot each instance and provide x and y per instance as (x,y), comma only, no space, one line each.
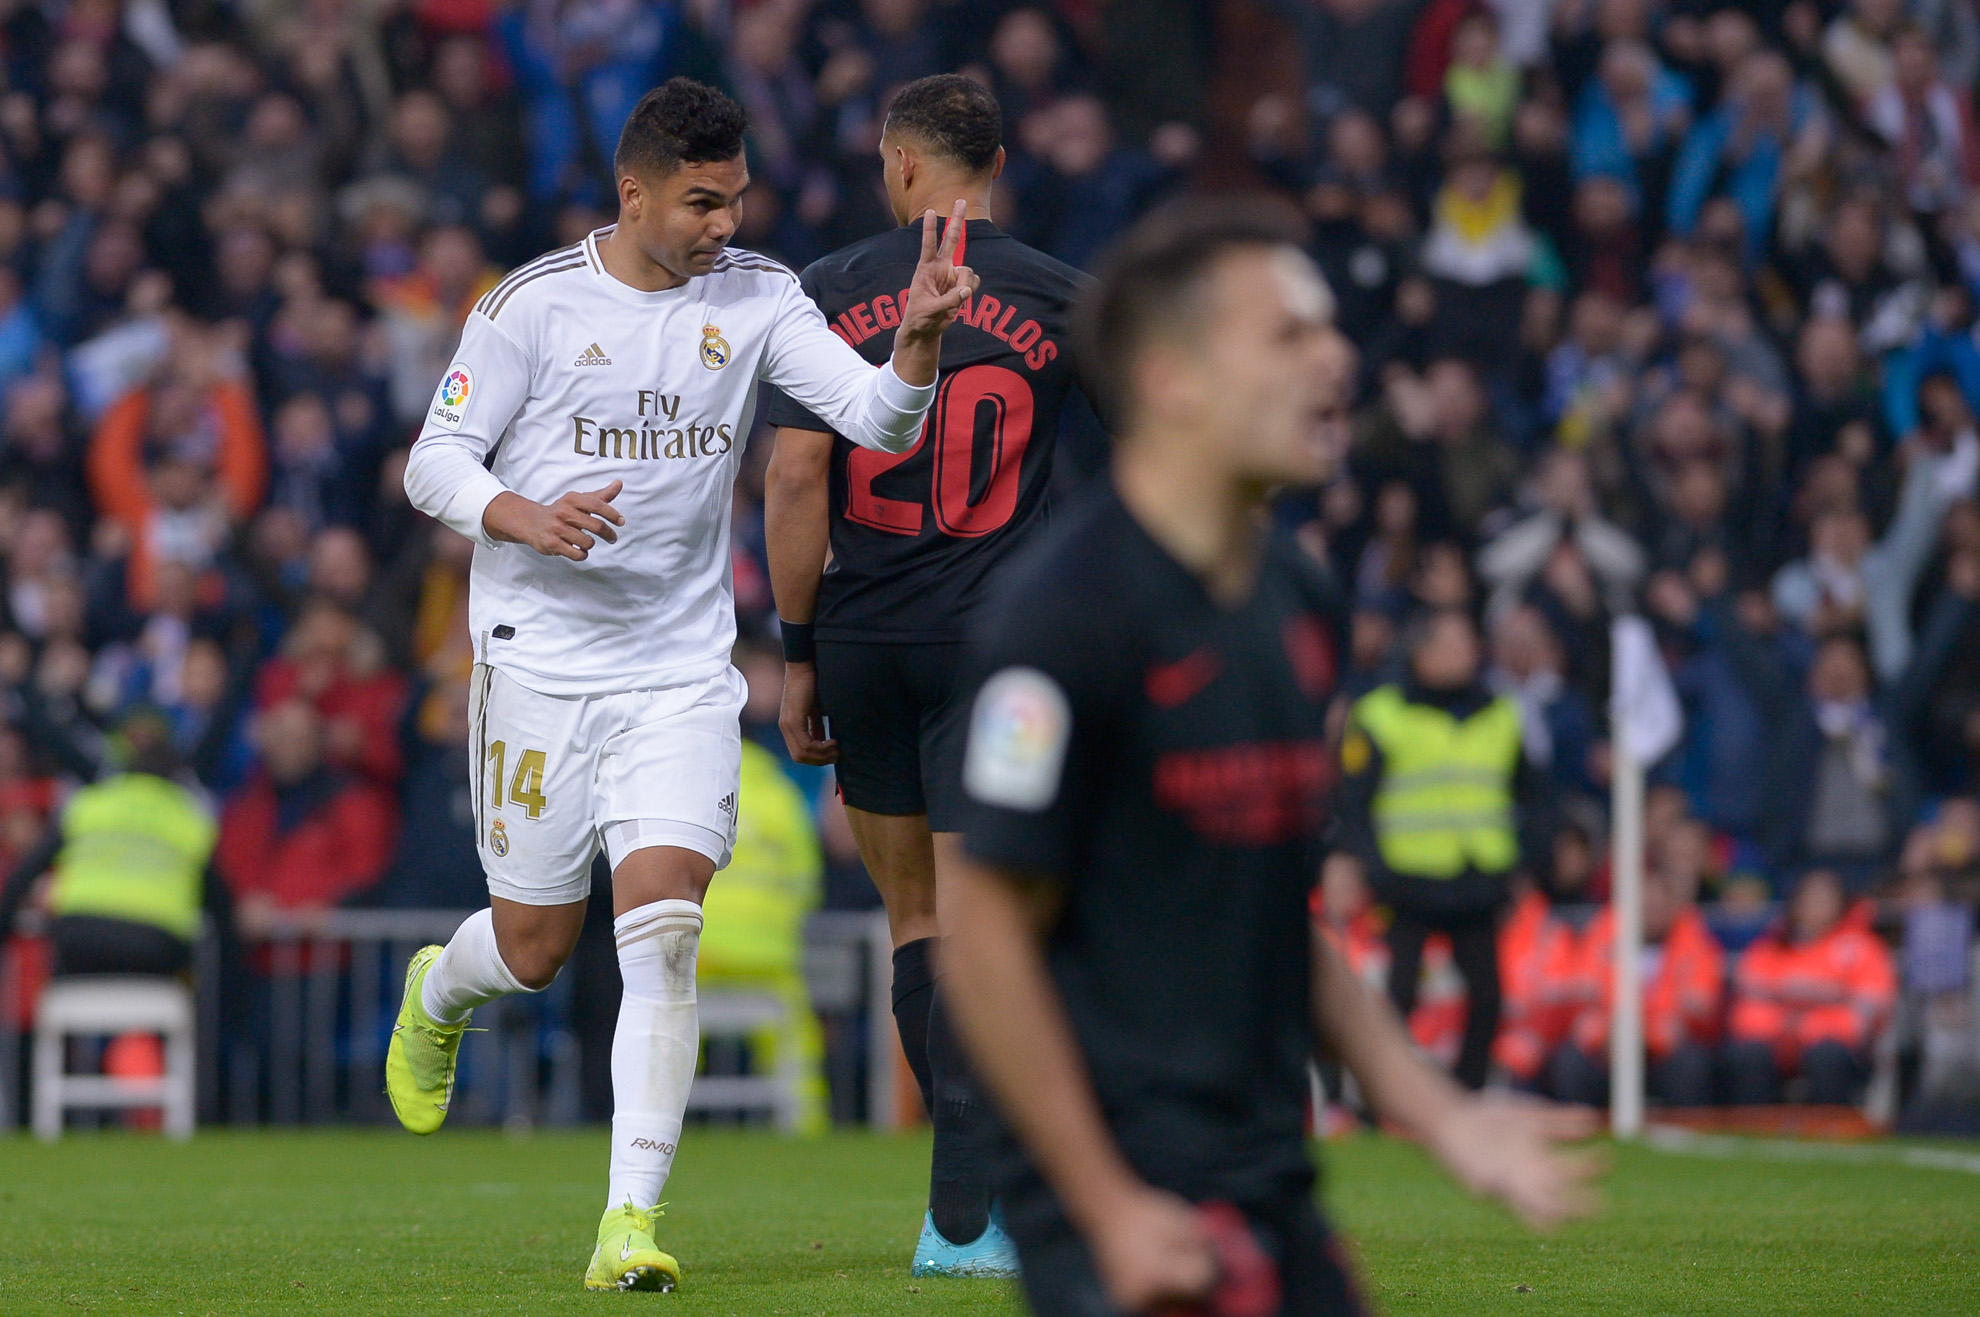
(299,1036)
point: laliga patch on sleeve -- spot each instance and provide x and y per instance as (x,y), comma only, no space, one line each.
(450,400)
(1017,740)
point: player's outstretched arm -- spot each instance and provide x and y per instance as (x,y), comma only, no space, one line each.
(1497,1146)
(939,289)
(1149,1246)
(567,528)
(797,531)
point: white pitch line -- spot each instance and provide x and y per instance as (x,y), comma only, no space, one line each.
(1671,1138)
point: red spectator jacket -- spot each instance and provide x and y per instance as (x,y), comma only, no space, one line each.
(1680,999)
(340,847)
(1838,988)
(372,704)
(1536,969)
(1437,1023)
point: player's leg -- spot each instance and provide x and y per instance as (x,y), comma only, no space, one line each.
(1406,937)
(534,832)
(657,892)
(865,690)
(959,1186)
(667,785)
(900,855)
(1475,951)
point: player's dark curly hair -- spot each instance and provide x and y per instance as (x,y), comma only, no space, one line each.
(953,115)
(1148,281)
(679,122)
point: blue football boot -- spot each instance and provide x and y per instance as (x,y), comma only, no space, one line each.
(991,1254)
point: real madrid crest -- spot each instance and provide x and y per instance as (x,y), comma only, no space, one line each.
(498,838)
(714,348)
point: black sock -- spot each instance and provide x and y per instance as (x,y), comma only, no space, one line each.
(914,990)
(958,1194)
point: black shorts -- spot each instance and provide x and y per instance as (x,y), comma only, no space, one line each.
(96,944)
(1314,1279)
(901,718)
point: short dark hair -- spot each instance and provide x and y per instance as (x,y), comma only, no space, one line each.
(954,115)
(679,122)
(1150,278)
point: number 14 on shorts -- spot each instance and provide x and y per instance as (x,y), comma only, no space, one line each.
(526,787)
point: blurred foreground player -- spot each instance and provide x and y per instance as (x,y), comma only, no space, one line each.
(875,644)
(1130,963)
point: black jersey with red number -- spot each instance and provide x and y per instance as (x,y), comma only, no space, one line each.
(916,536)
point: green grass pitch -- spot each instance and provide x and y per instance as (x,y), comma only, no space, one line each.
(471,1222)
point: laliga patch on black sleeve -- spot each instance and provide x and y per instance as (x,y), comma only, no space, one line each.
(505,633)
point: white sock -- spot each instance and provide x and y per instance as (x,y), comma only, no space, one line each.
(655,1048)
(469,972)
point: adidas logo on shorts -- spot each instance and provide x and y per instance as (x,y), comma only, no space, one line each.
(593,356)
(728,805)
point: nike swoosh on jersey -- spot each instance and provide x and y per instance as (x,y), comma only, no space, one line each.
(1172,685)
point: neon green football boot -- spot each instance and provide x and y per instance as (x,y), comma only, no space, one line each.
(419,1065)
(627,1258)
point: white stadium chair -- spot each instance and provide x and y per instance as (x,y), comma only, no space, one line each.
(729,1013)
(113,1005)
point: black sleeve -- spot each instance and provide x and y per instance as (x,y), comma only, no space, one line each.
(30,867)
(1354,802)
(1041,733)
(779,408)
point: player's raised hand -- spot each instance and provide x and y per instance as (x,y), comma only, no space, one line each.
(567,528)
(940,284)
(801,721)
(1503,1147)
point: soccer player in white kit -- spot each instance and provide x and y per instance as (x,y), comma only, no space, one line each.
(604,707)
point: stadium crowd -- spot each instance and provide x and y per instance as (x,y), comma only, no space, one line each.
(1656,306)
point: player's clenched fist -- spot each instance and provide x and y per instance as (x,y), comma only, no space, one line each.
(940,285)
(1152,1250)
(565,529)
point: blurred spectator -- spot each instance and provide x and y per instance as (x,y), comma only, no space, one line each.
(1084,186)
(127,862)
(753,938)
(335,665)
(1437,799)
(1808,999)
(1536,977)
(176,466)
(1768,130)
(299,836)
(1929,128)
(1684,972)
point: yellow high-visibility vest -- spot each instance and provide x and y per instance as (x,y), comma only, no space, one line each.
(1445,801)
(753,917)
(134,847)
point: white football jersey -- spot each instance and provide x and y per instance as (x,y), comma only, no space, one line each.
(567,379)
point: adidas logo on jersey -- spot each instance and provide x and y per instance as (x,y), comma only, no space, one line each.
(593,356)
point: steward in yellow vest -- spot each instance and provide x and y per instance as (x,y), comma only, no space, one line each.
(1434,794)
(752,935)
(129,860)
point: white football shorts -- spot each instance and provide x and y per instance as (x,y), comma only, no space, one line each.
(561,775)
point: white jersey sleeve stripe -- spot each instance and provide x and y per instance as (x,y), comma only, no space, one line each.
(488,298)
(514,288)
